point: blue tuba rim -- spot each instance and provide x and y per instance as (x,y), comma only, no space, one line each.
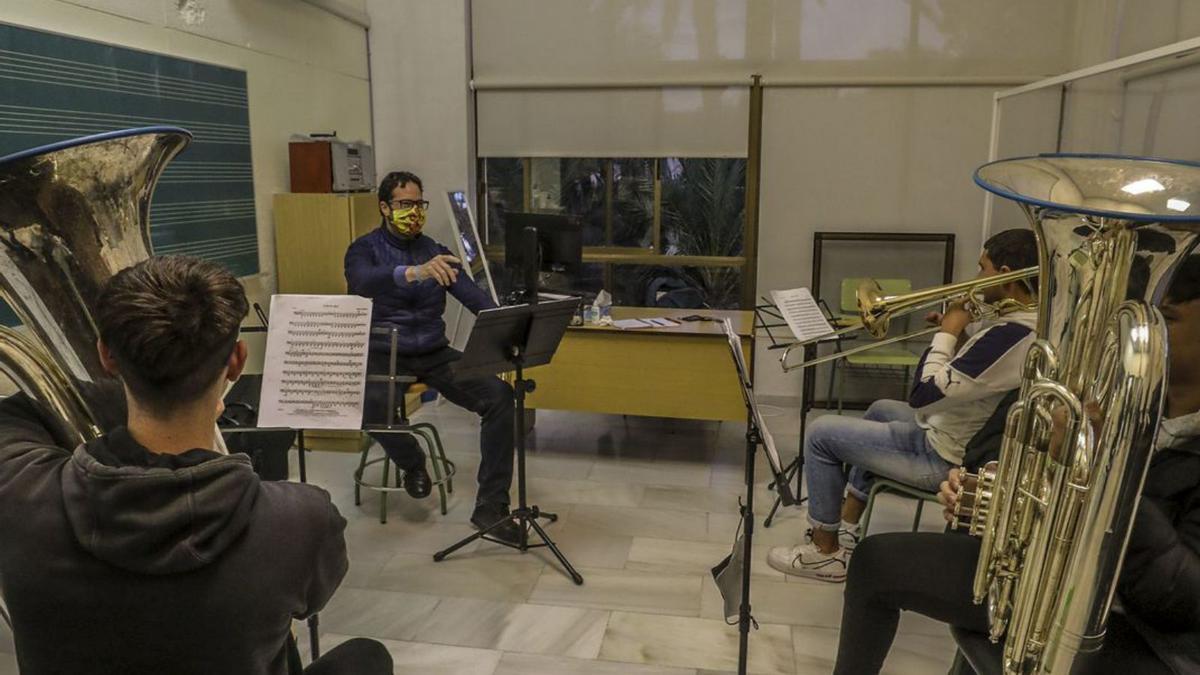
(94,138)
(1071,208)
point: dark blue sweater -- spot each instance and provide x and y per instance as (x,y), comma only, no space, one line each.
(375,265)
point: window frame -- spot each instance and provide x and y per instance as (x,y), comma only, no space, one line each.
(611,255)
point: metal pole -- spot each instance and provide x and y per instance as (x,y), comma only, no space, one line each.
(753,178)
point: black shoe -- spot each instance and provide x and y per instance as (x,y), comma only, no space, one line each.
(417,483)
(486,515)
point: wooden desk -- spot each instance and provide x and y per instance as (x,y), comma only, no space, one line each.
(684,371)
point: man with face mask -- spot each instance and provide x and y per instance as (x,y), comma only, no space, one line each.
(407,274)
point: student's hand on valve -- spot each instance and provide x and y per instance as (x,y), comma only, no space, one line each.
(956,318)
(441,269)
(1058,417)
(948,494)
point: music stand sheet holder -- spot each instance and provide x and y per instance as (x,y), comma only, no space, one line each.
(757,435)
(510,339)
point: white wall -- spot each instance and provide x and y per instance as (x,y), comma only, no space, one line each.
(1110,29)
(421,98)
(306,69)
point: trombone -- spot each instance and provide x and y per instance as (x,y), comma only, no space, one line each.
(876,312)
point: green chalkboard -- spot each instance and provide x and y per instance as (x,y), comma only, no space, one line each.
(54,88)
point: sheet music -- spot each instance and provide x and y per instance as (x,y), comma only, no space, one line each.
(316,362)
(801,313)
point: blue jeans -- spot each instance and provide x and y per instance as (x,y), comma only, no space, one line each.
(885,442)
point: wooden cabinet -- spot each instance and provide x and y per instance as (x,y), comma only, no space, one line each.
(312,233)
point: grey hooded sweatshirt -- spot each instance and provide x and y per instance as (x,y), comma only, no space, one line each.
(114,559)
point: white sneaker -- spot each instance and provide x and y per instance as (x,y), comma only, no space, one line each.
(806,560)
(847,538)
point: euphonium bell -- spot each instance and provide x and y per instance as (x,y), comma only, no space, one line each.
(1055,512)
(72,214)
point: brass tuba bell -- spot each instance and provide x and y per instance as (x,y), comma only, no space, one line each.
(72,214)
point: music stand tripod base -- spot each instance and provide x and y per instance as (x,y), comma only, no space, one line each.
(512,339)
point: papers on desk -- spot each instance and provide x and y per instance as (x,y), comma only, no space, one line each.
(800,311)
(632,324)
(316,362)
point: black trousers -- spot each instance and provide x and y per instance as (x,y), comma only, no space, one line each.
(359,656)
(932,574)
(489,397)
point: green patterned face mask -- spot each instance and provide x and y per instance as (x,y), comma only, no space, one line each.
(408,222)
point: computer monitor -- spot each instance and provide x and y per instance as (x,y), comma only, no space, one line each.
(560,241)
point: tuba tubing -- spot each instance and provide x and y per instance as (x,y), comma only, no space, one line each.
(1060,508)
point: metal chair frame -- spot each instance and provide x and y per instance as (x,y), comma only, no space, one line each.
(443,468)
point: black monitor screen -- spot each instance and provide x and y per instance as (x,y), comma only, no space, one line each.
(560,241)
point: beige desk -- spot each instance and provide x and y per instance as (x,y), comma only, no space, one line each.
(684,372)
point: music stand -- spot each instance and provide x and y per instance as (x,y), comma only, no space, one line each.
(756,434)
(511,339)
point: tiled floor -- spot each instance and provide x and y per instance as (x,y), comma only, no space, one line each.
(646,507)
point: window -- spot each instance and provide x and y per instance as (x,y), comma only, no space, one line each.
(656,231)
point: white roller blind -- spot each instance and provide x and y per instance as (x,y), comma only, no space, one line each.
(595,40)
(534,59)
(614,123)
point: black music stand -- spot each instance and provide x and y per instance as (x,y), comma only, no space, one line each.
(511,339)
(757,435)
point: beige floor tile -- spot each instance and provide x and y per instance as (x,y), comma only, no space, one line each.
(622,590)
(689,557)
(421,658)
(401,537)
(527,664)
(808,604)
(696,474)
(723,499)
(376,613)
(815,648)
(635,522)
(732,473)
(585,547)
(585,492)
(510,578)
(364,567)
(694,643)
(562,466)
(536,629)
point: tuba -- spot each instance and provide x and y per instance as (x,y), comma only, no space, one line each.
(72,214)
(1054,514)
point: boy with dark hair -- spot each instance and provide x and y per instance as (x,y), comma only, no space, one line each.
(144,551)
(961,378)
(1157,626)
(407,275)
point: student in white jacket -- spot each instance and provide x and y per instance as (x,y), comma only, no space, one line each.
(960,380)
